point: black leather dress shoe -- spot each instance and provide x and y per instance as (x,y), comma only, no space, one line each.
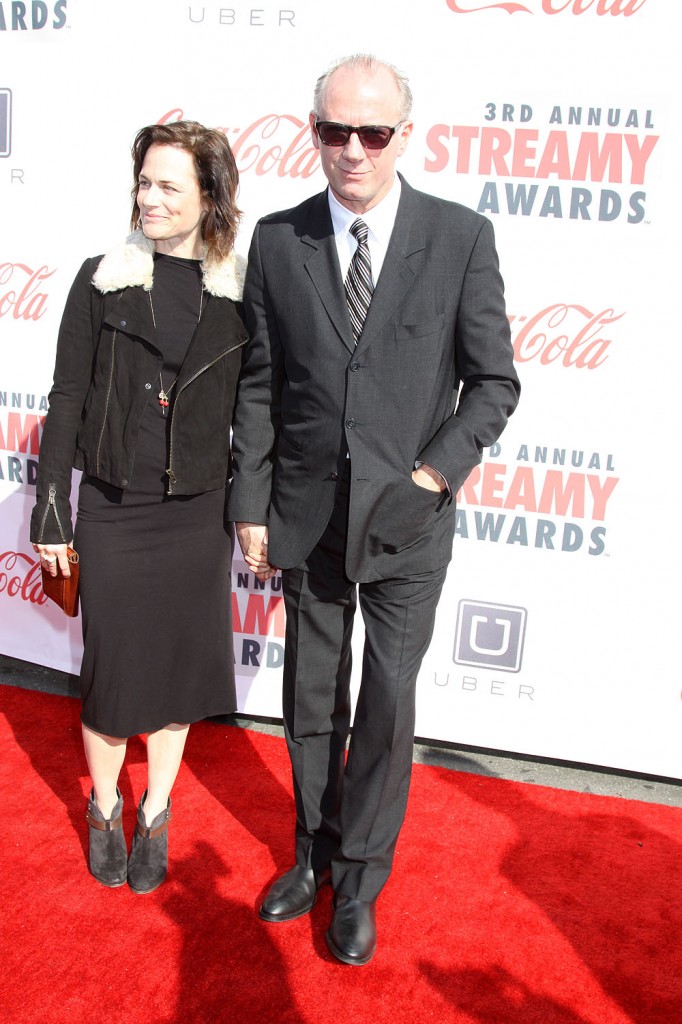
(352,935)
(293,894)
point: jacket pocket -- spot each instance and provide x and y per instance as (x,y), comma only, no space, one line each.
(407,513)
(421,329)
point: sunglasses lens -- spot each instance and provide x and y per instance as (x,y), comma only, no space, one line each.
(333,134)
(375,137)
(371,136)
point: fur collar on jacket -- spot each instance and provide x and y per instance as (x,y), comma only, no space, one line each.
(131,264)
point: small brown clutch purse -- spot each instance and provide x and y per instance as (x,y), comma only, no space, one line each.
(63,590)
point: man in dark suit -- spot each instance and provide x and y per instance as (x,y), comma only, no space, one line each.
(380,366)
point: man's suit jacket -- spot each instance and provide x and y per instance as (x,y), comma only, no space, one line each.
(430,380)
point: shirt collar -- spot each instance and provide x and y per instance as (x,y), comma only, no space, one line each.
(380,219)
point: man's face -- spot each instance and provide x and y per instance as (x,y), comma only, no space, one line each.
(359,177)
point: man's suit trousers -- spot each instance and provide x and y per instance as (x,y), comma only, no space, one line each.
(350,814)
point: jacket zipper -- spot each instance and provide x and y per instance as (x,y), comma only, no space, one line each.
(169,472)
(51,495)
(106,404)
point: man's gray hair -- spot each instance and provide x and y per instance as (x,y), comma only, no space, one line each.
(366,62)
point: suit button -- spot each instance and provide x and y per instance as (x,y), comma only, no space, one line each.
(125,482)
(333,476)
(350,424)
(355,366)
(148,387)
(122,323)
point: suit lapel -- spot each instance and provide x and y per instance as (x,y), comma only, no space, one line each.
(400,265)
(323,268)
(397,274)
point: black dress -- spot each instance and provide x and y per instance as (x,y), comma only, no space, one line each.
(155,570)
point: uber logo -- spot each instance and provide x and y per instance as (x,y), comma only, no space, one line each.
(5,122)
(490,635)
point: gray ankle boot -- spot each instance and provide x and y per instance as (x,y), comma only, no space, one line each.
(149,856)
(108,854)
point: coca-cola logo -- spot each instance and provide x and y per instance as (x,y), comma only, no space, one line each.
(626,8)
(22,291)
(275,143)
(20,577)
(25,17)
(565,334)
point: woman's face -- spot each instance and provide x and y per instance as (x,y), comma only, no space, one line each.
(169,199)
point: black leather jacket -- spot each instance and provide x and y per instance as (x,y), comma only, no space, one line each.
(107,369)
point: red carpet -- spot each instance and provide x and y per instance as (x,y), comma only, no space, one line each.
(508,904)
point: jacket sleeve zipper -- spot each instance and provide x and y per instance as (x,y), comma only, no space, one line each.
(169,472)
(52,494)
(106,403)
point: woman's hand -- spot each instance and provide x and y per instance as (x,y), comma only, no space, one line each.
(253,540)
(53,555)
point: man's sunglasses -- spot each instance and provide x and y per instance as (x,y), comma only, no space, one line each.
(372,136)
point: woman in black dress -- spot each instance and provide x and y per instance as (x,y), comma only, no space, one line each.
(148,356)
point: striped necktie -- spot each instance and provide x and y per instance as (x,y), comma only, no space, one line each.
(359,285)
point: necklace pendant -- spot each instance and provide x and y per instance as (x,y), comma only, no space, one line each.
(163,401)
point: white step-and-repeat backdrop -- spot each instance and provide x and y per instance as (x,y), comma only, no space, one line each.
(559,119)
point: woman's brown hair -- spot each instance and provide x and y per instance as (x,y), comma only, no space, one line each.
(216,171)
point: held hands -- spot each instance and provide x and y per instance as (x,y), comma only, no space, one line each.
(253,540)
(253,537)
(53,555)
